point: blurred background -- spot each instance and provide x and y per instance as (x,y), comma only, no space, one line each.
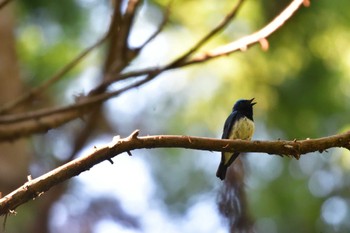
(301,86)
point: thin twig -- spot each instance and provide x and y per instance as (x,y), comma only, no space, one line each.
(60,74)
(34,187)
(83,102)
(92,120)
(179,62)
(160,27)
(151,71)
(81,106)
(206,56)
(259,36)
(207,37)
(126,75)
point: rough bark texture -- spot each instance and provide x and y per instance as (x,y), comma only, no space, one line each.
(36,187)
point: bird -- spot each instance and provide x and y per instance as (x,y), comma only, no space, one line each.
(238,125)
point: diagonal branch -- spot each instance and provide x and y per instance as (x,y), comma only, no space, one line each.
(43,120)
(160,27)
(25,125)
(36,187)
(180,61)
(56,77)
(238,45)
(82,102)
(260,36)
(207,37)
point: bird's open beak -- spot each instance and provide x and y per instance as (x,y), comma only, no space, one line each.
(251,102)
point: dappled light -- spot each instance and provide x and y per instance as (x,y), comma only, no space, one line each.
(110,110)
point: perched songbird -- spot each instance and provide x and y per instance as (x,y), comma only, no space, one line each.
(239,125)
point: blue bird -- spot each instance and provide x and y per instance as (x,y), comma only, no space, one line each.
(239,125)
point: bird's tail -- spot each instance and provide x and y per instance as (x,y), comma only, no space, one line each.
(221,172)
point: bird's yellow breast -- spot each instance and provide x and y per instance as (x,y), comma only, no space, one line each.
(242,129)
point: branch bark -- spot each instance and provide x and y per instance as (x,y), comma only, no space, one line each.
(56,77)
(15,126)
(36,187)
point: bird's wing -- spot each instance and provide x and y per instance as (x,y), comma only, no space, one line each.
(228,124)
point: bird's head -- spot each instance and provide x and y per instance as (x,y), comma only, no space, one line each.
(245,106)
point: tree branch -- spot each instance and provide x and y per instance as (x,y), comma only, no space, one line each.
(207,37)
(160,27)
(120,50)
(45,119)
(35,187)
(259,36)
(82,103)
(17,126)
(238,45)
(56,77)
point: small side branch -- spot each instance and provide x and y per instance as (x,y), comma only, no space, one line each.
(160,27)
(35,187)
(56,77)
(258,37)
(11,126)
(182,59)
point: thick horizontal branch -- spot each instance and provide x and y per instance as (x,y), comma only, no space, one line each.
(36,187)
